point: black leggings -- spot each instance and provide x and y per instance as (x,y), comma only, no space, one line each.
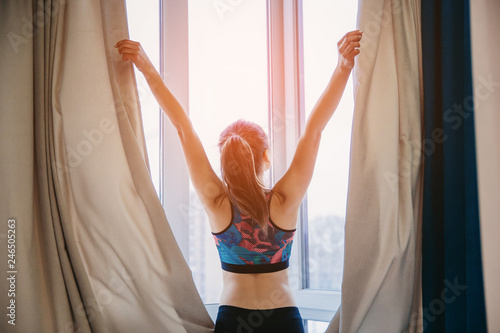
(232,319)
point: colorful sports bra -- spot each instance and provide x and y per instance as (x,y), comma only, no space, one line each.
(244,248)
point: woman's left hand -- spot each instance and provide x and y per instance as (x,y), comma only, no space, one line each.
(130,50)
(348,48)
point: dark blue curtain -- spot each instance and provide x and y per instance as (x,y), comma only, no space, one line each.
(452,278)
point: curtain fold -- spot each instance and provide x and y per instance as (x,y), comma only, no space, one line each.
(94,248)
(51,292)
(453,297)
(381,285)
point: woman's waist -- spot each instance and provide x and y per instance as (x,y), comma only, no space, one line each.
(257,291)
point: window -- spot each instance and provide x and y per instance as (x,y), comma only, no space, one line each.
(312,326)
(327,193)
(227,81)
(144,26)
(264,61)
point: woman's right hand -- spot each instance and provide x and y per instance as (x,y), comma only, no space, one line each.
(348,48)
(130,50)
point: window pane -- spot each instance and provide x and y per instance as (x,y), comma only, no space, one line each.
(316,326)
(324,23)
(144,27)
(227,81)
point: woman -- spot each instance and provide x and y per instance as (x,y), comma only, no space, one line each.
(253,233)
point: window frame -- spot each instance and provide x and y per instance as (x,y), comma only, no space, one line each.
(286,89)
(286,121)
(174,70)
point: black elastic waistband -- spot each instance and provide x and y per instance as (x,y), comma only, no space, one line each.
(235,310)
(266,268)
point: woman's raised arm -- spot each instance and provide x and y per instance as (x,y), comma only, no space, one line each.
(207,184)
(293,185)
(130,50)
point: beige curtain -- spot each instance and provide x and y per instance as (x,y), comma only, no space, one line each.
(486,74)
(94,250)
(381,282)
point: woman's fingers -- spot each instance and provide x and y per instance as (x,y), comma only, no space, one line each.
(125,57)
(128,45)
(126,42)
(351,55)
(127,52)
(130,50)
(348,48)
(352,33)
(354,53)
(348,40)
(350,36)
(126,49)
(128,56)
(351,47)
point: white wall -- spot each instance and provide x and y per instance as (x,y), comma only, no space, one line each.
(485,26)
